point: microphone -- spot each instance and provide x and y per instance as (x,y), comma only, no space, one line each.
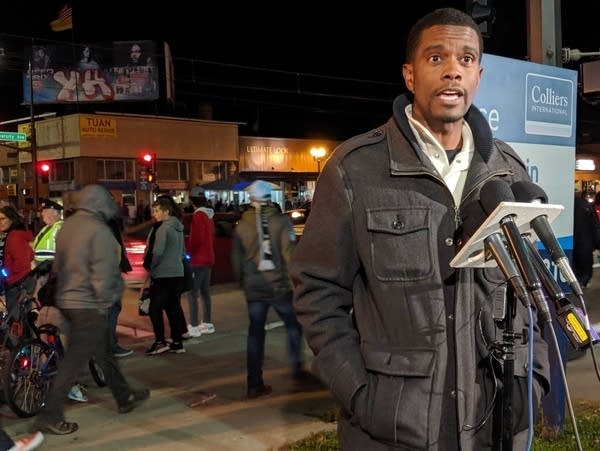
(566,314)
(525,191)
(495,246)
(492,193)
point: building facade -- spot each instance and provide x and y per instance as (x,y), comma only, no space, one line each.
(106,149)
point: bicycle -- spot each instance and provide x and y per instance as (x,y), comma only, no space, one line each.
(35,353)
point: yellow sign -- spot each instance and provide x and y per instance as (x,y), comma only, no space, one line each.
(97,127)
(12,189)
(25,128)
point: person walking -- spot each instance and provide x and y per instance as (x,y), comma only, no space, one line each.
(89,282)
(263,243)
(116,226)
(164,262)
(200,246)
(44,247)
(403,340)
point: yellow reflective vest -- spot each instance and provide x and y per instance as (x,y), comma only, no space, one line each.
(44,244)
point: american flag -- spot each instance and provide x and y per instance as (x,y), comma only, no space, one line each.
(64,21)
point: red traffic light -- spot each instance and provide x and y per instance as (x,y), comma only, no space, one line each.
(44,167)
(148,157)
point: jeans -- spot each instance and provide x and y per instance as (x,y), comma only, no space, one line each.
(201,285)
(113,315)
(87,337)
(255,350)
(5,441)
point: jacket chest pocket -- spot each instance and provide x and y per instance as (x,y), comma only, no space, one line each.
(400,243)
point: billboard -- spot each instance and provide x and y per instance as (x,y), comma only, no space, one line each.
(119,71)
(533,108)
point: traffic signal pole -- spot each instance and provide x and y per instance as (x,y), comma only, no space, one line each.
(34,184)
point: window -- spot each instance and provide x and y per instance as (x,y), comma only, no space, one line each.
(172,170)
(116,170)
(63,171)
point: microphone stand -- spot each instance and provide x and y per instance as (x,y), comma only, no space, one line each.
(508,375)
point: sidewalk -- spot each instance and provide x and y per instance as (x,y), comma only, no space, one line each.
(217,364)
(212,363)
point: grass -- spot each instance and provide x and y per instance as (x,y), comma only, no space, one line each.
(546,439)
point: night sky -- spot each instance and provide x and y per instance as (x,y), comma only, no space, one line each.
(297,69)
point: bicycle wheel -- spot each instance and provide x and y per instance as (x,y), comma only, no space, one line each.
(31,367)
(97,372)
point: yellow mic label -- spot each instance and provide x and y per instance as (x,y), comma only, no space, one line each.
(576,326)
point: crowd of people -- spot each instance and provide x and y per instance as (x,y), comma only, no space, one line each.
(89,285)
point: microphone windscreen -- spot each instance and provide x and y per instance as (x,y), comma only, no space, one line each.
(494,192)
(526,191)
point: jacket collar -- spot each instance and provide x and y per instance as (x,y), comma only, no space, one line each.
(400,130)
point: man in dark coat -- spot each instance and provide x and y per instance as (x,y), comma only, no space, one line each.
(403,340)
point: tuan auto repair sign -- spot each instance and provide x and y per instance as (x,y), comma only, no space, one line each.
(97,127)
(122,71)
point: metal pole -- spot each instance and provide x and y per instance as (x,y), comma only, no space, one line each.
(34,185)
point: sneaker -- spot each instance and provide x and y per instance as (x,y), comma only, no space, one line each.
(77,393)
(60,428)
(135,399)
(177,348)
(259,391)
(194,331)
(28,443)
(207,328)
(158,347)
(118,351)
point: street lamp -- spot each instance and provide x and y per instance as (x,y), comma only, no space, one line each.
(318,153)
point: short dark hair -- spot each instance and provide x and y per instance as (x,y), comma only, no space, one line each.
(441,16)
(167,203)
(199,201)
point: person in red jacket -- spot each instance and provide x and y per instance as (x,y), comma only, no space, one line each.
(16,253)
(200,245)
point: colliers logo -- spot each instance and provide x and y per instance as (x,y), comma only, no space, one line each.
(549,106)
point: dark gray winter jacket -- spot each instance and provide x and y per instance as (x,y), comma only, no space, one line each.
(88,255)
(382,309)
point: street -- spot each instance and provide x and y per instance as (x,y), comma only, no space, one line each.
(216,364)
(212,363)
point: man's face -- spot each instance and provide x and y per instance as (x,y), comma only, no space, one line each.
(50,215)
(444,74)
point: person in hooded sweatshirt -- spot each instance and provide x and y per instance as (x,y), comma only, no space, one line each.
(89,282)
(164,262)
(263,243)
(16,254)
(200,246)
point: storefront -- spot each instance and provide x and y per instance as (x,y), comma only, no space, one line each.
(292,164)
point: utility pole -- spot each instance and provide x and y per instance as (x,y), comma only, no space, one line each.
(34,184)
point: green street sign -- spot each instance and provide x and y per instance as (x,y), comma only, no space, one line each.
(13,136)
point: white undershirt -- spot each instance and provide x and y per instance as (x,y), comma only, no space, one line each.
(454,174)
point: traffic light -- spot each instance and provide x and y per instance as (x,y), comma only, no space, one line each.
(484,15)
(147,173)
(43,170)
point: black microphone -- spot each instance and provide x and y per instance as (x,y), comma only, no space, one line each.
(492,193)
(525,191)
(495,246)
(566,314)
